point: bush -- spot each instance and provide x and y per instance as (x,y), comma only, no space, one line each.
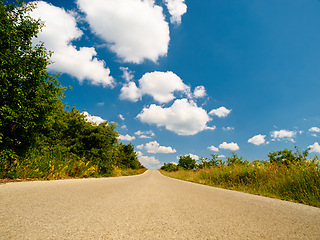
(169,167)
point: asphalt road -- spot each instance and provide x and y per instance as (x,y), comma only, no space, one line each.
(149,206)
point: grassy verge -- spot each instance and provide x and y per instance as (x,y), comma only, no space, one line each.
(56,164)
(298,182)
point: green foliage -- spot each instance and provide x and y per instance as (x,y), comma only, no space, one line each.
(127,157)
(39,136)
(169,167)
(214,162)
(286,156)
(297,180)
(234,160)
(28,93)
(187,162)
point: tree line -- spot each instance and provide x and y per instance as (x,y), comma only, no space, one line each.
(39,135)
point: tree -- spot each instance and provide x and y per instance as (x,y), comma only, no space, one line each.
(234,160)
(28,93)
(187,162)
(287,157)
(169,167)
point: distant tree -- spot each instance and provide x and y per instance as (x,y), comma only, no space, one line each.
(127,157)
(234,160)
(187,162)
(215,162)
(169,167)
(28,93)
(287,156)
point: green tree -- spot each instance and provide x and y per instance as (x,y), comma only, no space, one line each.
(169,167)
(287,157)
(234,160)
(127,157)
(187,162)
(28,93)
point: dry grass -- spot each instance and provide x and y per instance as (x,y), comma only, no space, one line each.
(299,182)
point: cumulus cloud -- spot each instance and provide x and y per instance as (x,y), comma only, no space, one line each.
(283,135)
(127,74)
(315,147)
(162,85)
(127,137)
(135,30)
(154,147)
(220,112)
(314,129)
(213,148)
(229,146)
(93,119)
(159,85)
(59,31)
(176,9)
(130,92)
(193,156)
(258,139)
(184,117)
(199,92)
(149,162)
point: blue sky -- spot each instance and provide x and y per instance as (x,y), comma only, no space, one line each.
(192,77)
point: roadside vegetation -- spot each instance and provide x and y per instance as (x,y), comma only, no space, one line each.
(40,137)
(286,175)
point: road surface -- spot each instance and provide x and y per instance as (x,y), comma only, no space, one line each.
(149,206)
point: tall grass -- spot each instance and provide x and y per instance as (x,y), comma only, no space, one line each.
(55,162)
(297,182)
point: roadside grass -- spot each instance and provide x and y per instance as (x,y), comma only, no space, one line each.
(55,163)
(297,182)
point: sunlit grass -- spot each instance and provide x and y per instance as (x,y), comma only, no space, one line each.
(57,163)
(298,182)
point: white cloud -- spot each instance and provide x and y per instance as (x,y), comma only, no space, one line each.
(183,117)
(93,119)
(154,147)
(130,92)
(100,104)
(314,129)
(213,148)
(193,156)
(283,135)
(220,112)
(159,85)
(121,117)
(127,74)
(127,137)
(228,128)
(148,162)
(176,9)
(229,146)
(145,134)
(211,128)
(59,31)
(135,30)
(162,85)
(221,156)
(257,139)
(199,92)
(315,147)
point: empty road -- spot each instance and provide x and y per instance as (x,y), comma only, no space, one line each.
(149,206)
